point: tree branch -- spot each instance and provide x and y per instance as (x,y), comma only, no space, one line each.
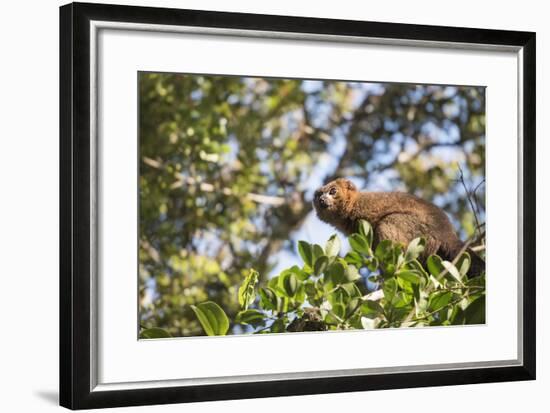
(469,197)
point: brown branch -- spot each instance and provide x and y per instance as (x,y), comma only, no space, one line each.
(207,187)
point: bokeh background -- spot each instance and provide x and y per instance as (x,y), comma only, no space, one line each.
(228,166)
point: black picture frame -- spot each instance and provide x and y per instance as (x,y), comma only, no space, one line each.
(75,219)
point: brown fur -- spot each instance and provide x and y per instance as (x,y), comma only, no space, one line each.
(397,216)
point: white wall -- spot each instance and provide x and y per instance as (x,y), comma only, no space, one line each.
(29,203)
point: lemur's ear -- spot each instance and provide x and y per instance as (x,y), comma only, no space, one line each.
(350,185)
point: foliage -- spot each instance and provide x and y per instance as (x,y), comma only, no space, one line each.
(328,292)
(228,166)
(212,318)
(154,332)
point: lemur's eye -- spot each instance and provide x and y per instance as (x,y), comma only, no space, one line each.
(332,191)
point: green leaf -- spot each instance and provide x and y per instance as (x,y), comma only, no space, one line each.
(252,317)
(278,326)
(298,272)
(282,303)
(351,273)
(457,315)
(268,299)
(414,249)
(246,290)
(290,284)
(372,264)
(306,252)
(403,299)
(339,309)
(389,255)
(365,229)
(416,266)
(439,300)
(333,246)
(475,312)
(478,281)
(317,252)
(273,282)
(409,276)
(351,289)
(452,270)
(383,249)
(352,307)
(213,319)
(354,258)
(320,265)
(400,259)
(338,296)
(420,303)
(314,295)
(406,286)
(399,314)
(300,294)
(390,289)
(435,266)
(277,283)
(359,243)
(463,264)
(371,307)
(154,332)
(335,272)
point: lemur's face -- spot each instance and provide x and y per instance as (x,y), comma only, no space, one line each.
(329,199)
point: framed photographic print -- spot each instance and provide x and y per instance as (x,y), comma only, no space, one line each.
(258,205)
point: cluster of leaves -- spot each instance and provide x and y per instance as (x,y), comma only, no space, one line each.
(329,291)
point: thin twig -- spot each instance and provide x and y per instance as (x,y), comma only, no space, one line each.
(352,313)
(182,180)
(468,196)
(475,195)
(438,310)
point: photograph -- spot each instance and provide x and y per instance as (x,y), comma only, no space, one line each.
(282,205)
(290,203)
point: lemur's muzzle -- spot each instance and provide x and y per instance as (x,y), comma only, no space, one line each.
(320,199)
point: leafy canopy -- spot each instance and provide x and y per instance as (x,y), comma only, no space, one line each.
(327,292)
